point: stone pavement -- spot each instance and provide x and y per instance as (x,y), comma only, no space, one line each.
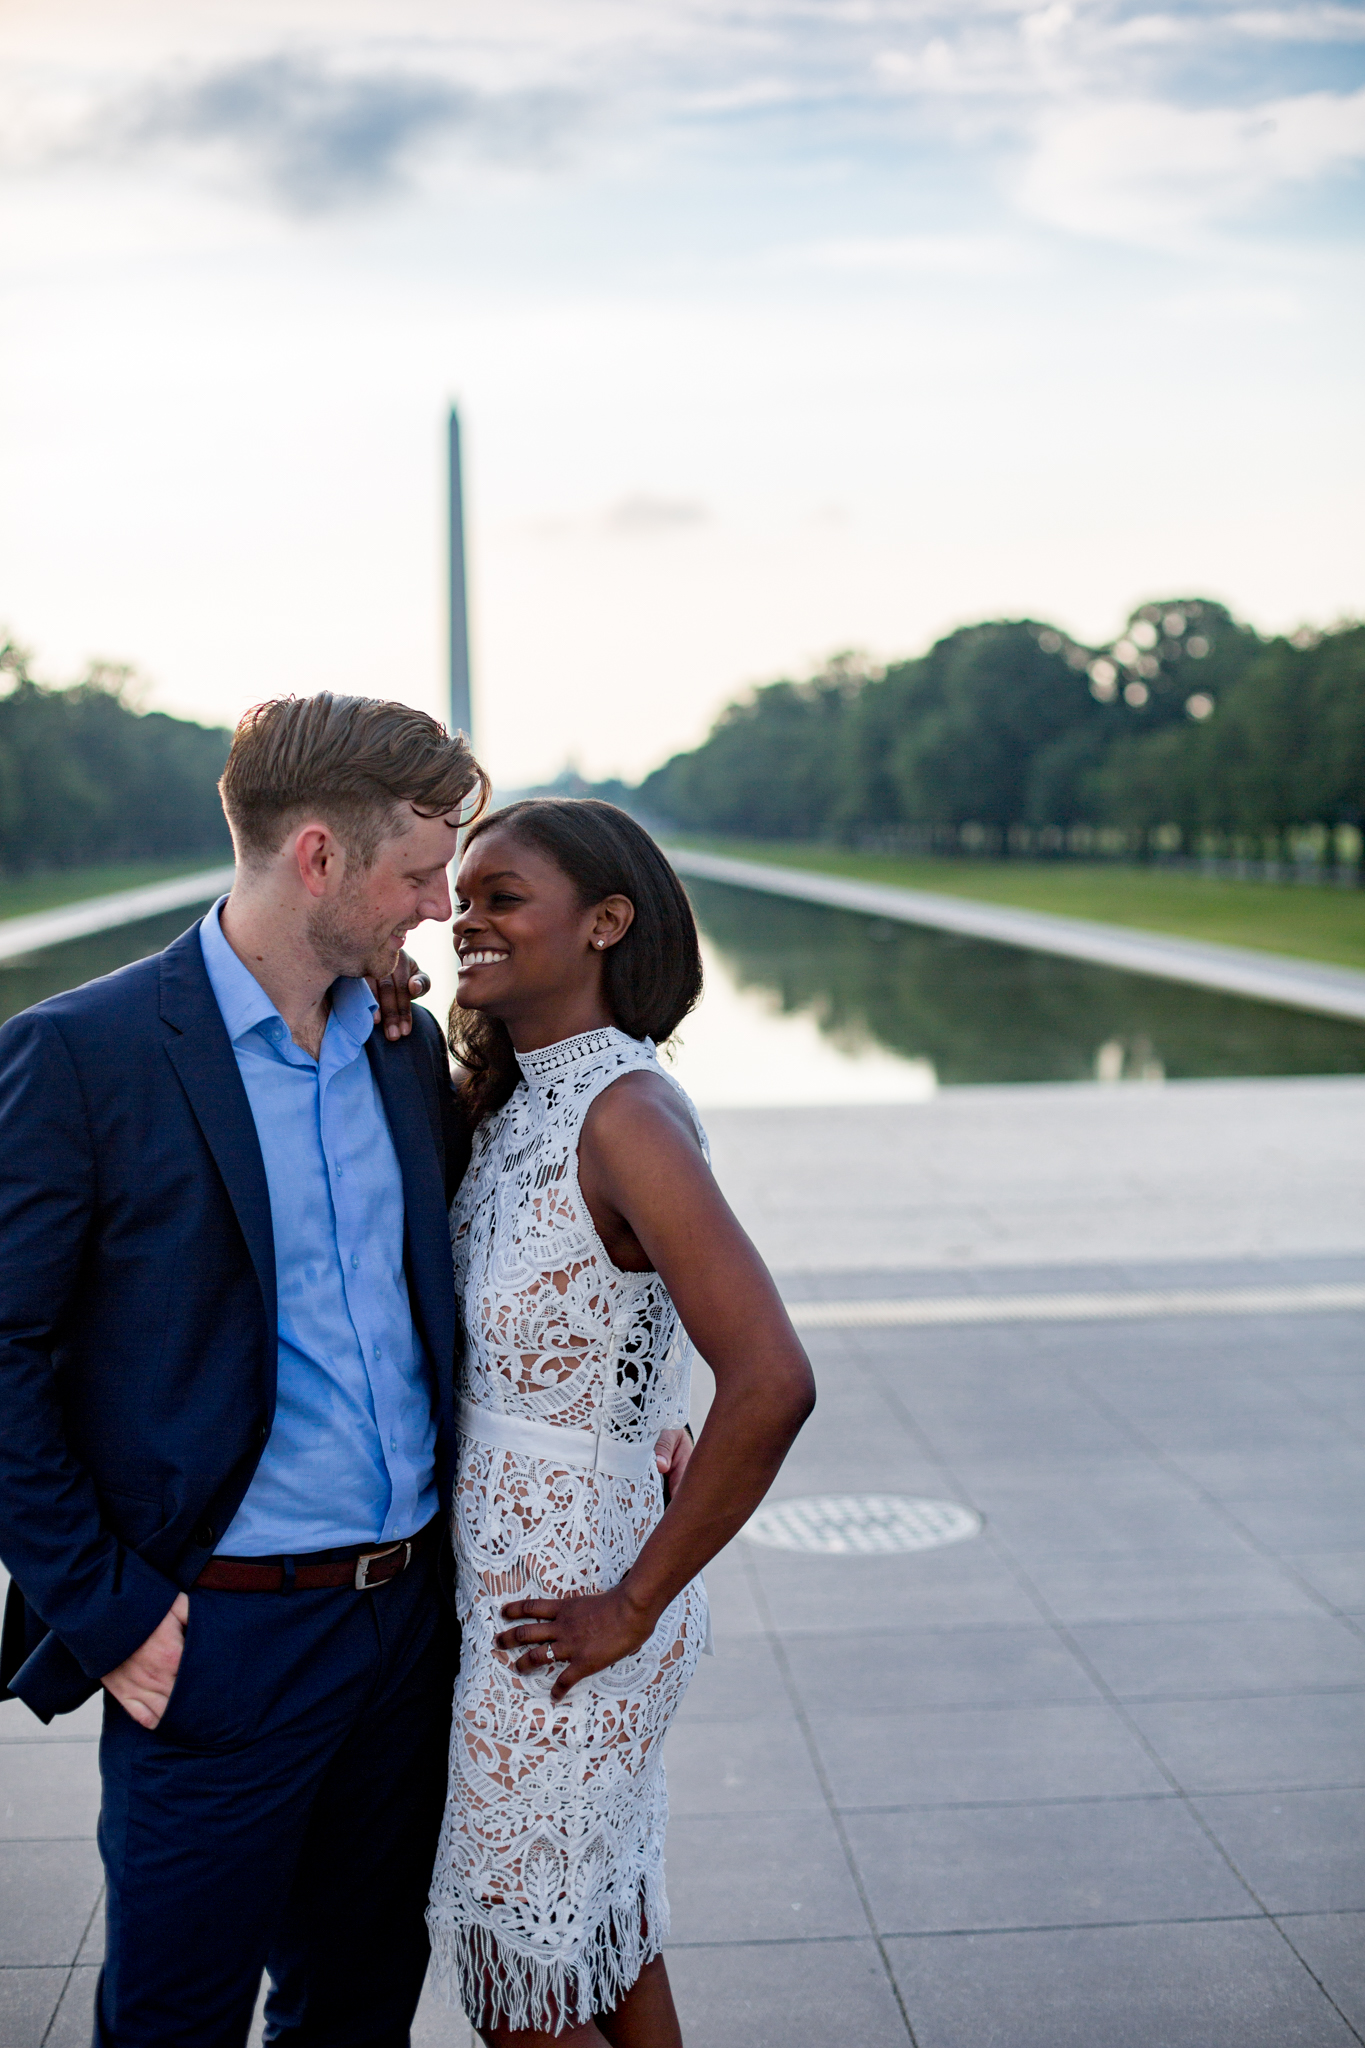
(1094,1778)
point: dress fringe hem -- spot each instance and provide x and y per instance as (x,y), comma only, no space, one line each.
(498,1984)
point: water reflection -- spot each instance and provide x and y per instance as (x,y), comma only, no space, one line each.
(806,1005)
(977,1012)
(23,982)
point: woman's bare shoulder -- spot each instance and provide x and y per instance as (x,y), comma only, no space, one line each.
(640,1108)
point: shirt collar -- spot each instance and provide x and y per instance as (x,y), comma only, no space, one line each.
(245,1004)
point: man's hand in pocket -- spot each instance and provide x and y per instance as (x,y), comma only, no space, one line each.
(142,1683)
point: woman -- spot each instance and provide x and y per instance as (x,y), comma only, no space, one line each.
(591,1244)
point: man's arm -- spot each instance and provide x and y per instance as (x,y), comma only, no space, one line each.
(99,1598)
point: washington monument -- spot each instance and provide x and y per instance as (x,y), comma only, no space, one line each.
(461,718)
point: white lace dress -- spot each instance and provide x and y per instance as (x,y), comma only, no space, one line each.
(548,1896)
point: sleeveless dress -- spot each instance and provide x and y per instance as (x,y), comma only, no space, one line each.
(548,1898)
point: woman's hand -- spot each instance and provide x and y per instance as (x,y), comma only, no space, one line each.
(397,992)
(580,1636)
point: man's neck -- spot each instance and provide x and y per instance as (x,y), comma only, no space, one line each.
(272,943)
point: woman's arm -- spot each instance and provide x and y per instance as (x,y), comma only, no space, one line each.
(655,1202)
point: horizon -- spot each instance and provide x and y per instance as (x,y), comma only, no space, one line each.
(776,330)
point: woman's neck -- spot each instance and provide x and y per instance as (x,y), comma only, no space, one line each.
(532,1030)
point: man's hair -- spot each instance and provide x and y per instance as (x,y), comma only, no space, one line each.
(350,761)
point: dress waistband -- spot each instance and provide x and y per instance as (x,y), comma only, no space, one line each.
(531,1439)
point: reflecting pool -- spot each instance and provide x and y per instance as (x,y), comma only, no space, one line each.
(965,1011)
(806,1005)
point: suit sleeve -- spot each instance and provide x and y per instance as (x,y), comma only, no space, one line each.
(98,1597)
(455,1132)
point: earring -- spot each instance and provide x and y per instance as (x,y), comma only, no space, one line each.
(600,943)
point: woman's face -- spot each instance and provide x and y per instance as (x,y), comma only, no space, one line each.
(522,937)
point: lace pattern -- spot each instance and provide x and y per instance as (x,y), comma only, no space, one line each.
(548,1895)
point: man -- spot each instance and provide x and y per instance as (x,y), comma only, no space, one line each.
(227,1336)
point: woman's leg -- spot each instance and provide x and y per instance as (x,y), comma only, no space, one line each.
(645,2018)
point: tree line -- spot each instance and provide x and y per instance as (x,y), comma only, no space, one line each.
(1189,733)
(86,777)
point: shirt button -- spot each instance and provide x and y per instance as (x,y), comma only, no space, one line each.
(393,1443)
(354,1262)
(376,1351)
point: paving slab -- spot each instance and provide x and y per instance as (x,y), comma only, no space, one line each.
(48,1891)
(28,2000)
(1333,1947)
(48,1790)
(1338,1575)
(1301,1852)
(1041,1866)
(1234,1985)
(983,1754)
(1268,1654)
(762,1877)
(1256,1744)
(1142,1587)
(772,1994)
(742,1767)
(1048,1175)
(947,1667)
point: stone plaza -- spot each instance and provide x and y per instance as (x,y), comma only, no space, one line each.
(1093,1777)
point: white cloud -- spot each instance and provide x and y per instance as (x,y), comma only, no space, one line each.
(920,255)
(645,514)
(1146,172)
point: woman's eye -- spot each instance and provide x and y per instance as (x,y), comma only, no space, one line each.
(503,897)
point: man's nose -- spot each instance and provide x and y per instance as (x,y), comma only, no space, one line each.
(436,903)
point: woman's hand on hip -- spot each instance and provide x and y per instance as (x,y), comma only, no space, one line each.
(578,1636)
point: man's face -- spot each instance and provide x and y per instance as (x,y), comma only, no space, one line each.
(359,926)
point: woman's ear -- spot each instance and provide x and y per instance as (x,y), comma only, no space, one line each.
(612,919)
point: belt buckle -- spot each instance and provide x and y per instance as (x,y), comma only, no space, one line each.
(363,1581)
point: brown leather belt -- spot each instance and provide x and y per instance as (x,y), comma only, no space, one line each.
(360,1569)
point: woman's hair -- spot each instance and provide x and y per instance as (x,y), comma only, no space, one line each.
(651,977)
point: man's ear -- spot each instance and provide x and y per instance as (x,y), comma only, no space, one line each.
(318,857)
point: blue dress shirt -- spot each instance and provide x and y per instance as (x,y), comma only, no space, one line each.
(351,1456)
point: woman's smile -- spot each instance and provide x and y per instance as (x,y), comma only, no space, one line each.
(480,956)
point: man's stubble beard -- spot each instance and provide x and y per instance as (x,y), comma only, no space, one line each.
(347,940)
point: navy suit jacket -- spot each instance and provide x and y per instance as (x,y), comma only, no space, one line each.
(137,1301)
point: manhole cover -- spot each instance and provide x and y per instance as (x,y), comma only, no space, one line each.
(860,1524)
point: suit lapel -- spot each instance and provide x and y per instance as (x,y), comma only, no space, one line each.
(200,1050)
(431,1276)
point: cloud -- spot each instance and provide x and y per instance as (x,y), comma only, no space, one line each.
(644,515)
(313,133)
(1142,171)
(978,255)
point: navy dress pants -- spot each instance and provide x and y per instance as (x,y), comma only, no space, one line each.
(283,1816)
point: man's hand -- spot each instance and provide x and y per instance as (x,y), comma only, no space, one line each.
(396,994)
(142,1683)
(671,1454)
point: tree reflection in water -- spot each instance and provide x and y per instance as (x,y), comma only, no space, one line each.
(985,1012)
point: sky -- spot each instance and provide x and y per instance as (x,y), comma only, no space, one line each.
(777,329)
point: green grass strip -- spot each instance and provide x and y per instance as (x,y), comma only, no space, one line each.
(21,894)
(1310,922)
